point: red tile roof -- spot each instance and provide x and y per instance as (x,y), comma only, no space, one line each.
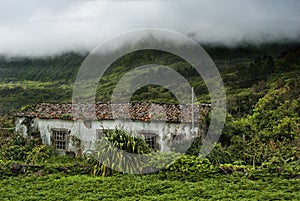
(137,111)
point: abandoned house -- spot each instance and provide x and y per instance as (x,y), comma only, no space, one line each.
(159,123)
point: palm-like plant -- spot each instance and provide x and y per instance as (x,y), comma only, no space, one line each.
(118,151)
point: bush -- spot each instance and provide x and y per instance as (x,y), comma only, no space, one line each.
(187,164)
(112,153)
(220,155)
(4,167)
(16,147)
(38,154)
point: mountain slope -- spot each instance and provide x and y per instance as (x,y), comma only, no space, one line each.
(246,72)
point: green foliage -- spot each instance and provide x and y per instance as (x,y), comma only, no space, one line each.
(38,154)
(61,68)
(273,155)
(50,79)
(234,168)
(149,187)
(123,140)
(276,115)
(64,165)
(220,155)
(14,147)
(161,161)
(179,165)
(188,164)
(261,130)
(112,153)
(4,167)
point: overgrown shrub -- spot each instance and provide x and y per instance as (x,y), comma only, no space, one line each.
(38,154)
(220,155)
(161,161)
(16,147)
(188,164)
(112,153)
(4,167)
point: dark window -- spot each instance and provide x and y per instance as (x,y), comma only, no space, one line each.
(150,139)
(59,138)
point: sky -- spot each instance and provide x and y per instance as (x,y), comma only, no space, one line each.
(38,28)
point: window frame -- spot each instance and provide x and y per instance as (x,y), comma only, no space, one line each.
(150,139)
(65,139)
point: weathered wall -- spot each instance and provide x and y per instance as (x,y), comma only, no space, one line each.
(86,131)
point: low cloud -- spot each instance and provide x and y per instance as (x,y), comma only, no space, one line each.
(47,27)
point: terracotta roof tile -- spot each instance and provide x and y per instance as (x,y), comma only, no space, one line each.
(103,111)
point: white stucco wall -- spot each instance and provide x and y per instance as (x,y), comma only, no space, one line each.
(20,128)
(88,136)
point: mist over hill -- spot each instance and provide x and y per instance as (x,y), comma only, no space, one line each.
(30,80)
(64,67)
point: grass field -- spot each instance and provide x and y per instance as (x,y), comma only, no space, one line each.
(150,187)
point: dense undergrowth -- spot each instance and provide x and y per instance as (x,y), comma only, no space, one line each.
(28,156)
(52,177)
(149,187)
(27,81)
(257,157)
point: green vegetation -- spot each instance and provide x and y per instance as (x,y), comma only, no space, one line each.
(27,81)
(33,173)
(111,154)
(150,187)
(257,157)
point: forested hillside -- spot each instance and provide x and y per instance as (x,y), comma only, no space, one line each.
(248,72)
(259,145)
